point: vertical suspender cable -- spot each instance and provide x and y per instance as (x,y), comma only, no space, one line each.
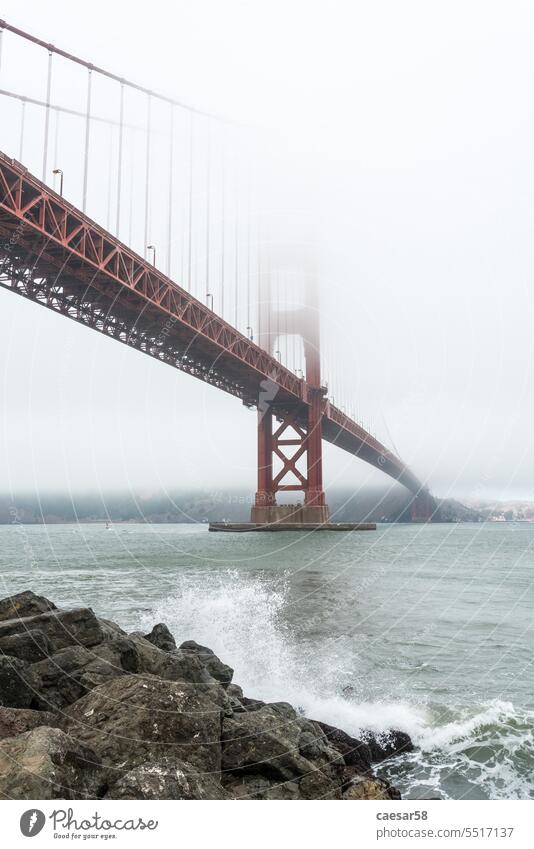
(47,115)
(110,159)
(56,137)
(208,187)
(87,135)
(223,214)
(190,216)
(22,122)
(119,161)
(170,197)
(236,240)
(130,211)
(248,251)
(147,171)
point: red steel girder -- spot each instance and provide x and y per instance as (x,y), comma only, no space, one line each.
(53,254)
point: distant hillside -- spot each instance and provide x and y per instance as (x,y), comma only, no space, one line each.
(391,505)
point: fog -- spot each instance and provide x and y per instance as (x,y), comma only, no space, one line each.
(405,133)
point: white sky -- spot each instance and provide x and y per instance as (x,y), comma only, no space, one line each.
(408,128)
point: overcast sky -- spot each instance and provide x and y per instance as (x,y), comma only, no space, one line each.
(408,129)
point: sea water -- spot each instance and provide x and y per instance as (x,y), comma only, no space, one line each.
(424,628)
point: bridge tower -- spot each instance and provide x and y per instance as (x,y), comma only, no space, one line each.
(290,448)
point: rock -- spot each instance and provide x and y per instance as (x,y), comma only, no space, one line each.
(18,684)
(388,745)
(216,668)
(47,764)
(171,666)
(166,779)
(265,743)
(355,752)
(62,627)
(258,787)
(132,720)
(24,604)
(161,637)
(28,645)
(15,721)
(72,672)
(370,787)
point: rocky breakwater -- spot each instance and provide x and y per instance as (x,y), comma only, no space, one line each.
(89,711)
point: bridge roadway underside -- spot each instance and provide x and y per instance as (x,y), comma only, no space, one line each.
(54,255)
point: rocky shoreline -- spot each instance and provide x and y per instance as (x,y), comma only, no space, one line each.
(88,711)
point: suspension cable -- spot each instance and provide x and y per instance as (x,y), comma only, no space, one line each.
(170,196)
(119,160)
(147,172)
(47,115)
(236,240)
(223,215)
(190,216)
(53,49)
(22,123)
(87,133)
(208,179)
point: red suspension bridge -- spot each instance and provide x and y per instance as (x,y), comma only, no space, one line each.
(183,170)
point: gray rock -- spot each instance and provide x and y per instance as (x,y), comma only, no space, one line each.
(161,637)
(171,666)
(14,721)
(355,752)
(258,787)
(133,719)
(370,787)
(18,684)
(72,672)
(216,668)
(62,627)
(267,744)
(388,745)
(30,646)
(47,764)
(166,779)
(24,604)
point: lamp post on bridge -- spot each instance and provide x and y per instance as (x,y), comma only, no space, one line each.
(60,172)
(153,249)
(208,296)
(250,333)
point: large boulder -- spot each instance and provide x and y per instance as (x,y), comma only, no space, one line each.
(216,668)
(69,674)
(388,745)
(355,752)
(14,721)
(62,627)
(18,684)
(47,764)
(371,788)
(161,637)
(28,645)
(174,665)
(24,604)
(245,786)
(134,719)
(281,747)
(166,779)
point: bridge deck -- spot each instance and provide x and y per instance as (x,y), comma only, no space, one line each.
(53,254)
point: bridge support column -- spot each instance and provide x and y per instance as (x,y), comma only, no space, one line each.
(422,507)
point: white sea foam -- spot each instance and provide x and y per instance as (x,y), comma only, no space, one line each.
(241,618)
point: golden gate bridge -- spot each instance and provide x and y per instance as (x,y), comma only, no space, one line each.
(133,213)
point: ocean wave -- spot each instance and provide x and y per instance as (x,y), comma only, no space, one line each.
(471,751)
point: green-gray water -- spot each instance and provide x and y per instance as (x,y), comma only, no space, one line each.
(425,628)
